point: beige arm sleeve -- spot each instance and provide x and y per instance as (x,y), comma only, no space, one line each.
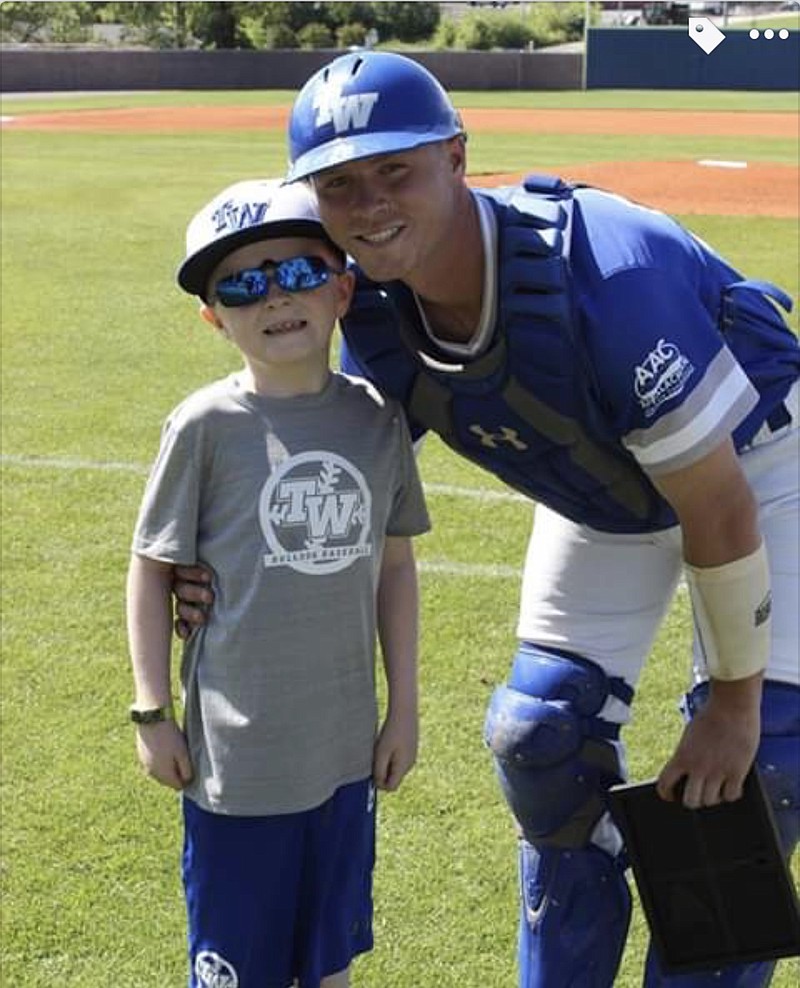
(732,606)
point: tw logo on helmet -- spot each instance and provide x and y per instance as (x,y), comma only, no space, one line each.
(344,112)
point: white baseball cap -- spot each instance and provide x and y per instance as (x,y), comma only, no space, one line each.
(256,209)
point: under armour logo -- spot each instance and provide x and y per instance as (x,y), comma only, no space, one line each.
(493,439)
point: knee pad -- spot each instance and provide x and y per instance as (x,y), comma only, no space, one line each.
(778,755)
(575,912)
(553,754)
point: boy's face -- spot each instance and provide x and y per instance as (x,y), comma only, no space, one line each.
(282,327)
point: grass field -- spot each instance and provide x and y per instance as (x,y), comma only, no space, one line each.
(98,345)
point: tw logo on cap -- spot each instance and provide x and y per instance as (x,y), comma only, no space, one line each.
(345,112)
(232,215)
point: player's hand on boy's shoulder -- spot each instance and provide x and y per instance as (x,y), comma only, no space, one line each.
(395,751)
(163,753)
(194,598)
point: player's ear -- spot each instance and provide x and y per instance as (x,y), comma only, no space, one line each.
(457,154)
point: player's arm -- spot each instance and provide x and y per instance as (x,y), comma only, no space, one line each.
(729,583)
(398,631)
(161,746)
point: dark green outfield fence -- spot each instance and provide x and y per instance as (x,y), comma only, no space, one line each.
(40,70)
(627,58)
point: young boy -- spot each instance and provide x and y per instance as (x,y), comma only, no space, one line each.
(298,487)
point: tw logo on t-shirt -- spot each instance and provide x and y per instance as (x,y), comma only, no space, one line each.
(315,514)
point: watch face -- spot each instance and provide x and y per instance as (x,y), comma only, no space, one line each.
(148,716)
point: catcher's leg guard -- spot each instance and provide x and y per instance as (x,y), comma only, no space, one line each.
(756,975)
(778,759)
(574,917)
(555,760)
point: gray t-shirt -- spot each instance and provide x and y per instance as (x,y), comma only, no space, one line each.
(289,501)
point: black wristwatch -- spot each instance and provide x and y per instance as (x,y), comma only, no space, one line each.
(153,716)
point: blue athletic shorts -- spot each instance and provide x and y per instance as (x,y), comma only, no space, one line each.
(278,898)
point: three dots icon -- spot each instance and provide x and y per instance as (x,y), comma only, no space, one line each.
(769,34)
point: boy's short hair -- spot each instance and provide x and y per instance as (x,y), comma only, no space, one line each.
(243,213)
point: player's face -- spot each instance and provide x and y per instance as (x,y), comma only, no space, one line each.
(283,327)
(393,212)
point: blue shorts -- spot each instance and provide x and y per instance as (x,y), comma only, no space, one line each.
(271,899)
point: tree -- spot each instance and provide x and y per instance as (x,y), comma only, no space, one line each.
(160,25)
(340,14)
(315,35)
(235,24)
(406,21)
(219,25)
(292,15)
(58,22)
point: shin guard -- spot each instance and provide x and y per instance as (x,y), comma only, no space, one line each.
(575,912)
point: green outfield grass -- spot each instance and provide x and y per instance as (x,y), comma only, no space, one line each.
(629,99)
(98,345)
(788,20)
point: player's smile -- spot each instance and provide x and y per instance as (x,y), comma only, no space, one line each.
(384,236)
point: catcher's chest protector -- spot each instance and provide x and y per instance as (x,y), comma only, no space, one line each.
(525,409)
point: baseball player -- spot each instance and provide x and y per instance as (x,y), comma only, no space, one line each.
(599,358)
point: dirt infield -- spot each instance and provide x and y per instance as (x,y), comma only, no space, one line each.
(733,189)
(686,186)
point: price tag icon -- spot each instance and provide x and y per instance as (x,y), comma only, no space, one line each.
(705,34)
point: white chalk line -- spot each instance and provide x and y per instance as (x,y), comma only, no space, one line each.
(439,567)
(111,466)
(443,567)
(70,463)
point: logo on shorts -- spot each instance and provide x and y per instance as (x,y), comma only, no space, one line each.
(213,971)
(661,375)
(315,514)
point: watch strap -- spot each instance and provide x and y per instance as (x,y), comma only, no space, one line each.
(153,715)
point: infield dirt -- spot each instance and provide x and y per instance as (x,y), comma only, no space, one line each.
(675,186)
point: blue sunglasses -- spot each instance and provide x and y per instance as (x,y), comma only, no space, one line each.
(294,274)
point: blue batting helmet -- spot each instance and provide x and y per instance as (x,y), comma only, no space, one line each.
(365,103)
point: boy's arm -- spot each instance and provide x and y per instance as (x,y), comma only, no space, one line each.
(398,629)
(161,746)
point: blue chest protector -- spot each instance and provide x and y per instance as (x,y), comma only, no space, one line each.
(526,409)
